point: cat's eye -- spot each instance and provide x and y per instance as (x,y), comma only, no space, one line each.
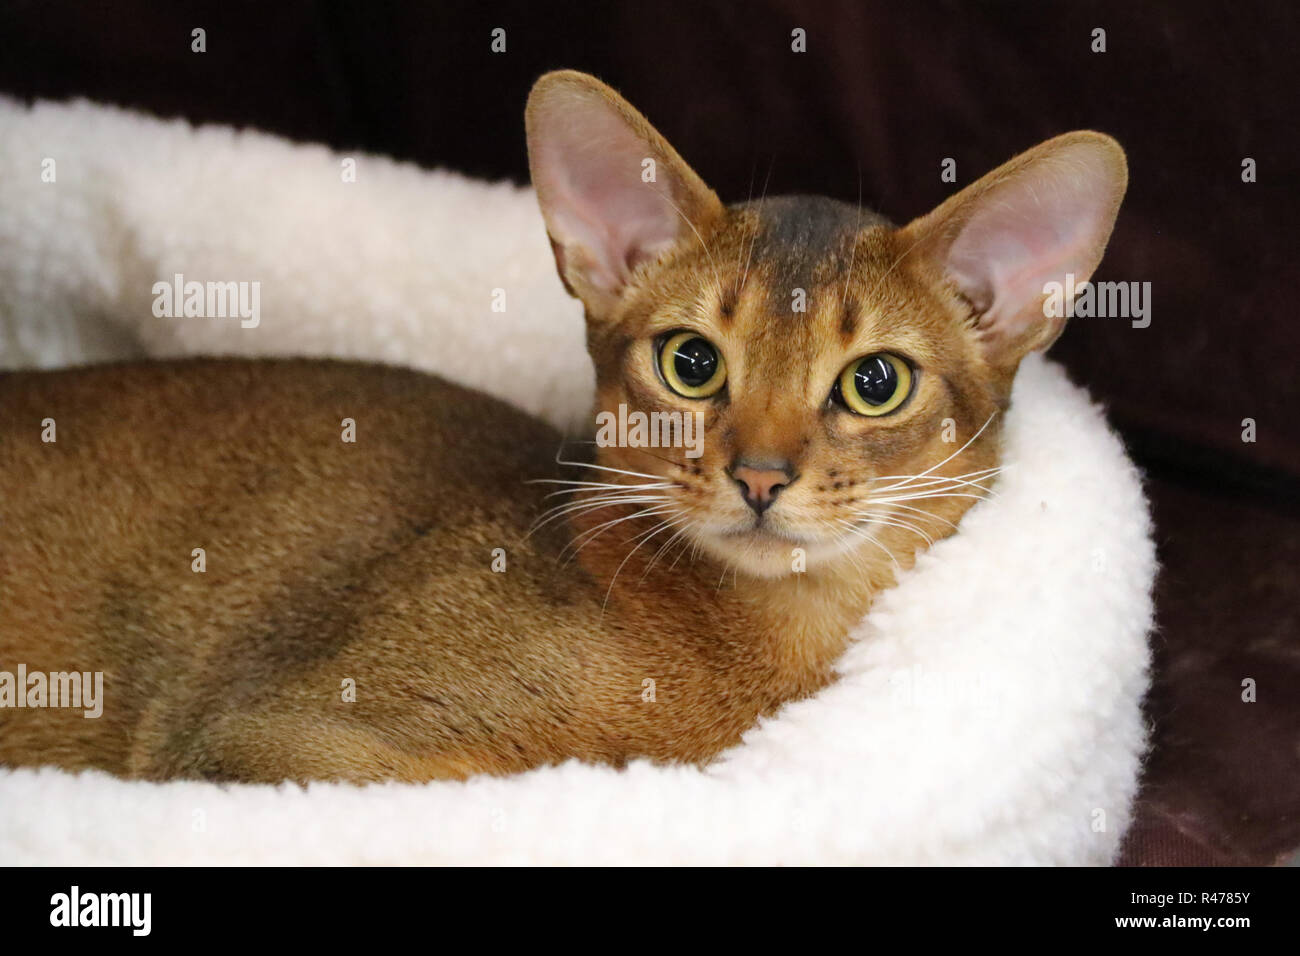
(875,385)
(691,365)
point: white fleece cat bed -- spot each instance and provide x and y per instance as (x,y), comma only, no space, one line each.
(989,711)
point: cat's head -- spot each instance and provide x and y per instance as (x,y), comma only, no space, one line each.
(849,375)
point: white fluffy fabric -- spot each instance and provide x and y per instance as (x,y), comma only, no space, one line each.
(988,712)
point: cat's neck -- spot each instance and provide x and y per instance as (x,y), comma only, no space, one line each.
(799,624)
(811,614)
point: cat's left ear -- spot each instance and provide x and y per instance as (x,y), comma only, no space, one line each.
(613,192)
(1044,215)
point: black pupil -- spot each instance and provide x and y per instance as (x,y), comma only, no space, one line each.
(695,362)
(875,380)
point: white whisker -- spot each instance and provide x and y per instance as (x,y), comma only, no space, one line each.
(921,495)
(861,532)
(591,534)
(640,540)
(893,521)
(620,471)
(577,507)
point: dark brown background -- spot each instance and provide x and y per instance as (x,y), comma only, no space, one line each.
(884,93)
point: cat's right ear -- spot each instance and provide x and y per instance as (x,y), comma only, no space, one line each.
(613,192)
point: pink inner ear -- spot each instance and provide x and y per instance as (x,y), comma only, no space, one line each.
(591,162)
(1033,228)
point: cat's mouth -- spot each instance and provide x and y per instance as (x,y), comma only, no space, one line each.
(775,545)
(759,530)
(765,548)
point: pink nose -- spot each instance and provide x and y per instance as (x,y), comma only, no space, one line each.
(760,486)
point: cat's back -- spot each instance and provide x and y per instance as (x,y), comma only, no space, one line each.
(154,433)
(213,466)
(352,420)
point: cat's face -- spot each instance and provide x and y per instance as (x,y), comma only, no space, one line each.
(845,377)
(821,378)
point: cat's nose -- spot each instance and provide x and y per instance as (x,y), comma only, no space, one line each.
(760,481)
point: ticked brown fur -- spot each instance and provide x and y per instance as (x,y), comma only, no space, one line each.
(371,564)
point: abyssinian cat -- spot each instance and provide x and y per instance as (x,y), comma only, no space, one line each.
(409,606)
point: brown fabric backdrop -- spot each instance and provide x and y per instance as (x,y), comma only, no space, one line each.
(883,94)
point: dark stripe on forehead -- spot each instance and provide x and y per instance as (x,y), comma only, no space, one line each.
(727,303)
(801,237)
(849,319)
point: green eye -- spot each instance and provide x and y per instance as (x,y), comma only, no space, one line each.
(875,385)
(691,365)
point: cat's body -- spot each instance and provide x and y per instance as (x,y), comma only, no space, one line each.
(328,561)
(353,619)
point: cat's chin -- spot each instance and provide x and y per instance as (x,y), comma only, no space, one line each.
(766,553)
